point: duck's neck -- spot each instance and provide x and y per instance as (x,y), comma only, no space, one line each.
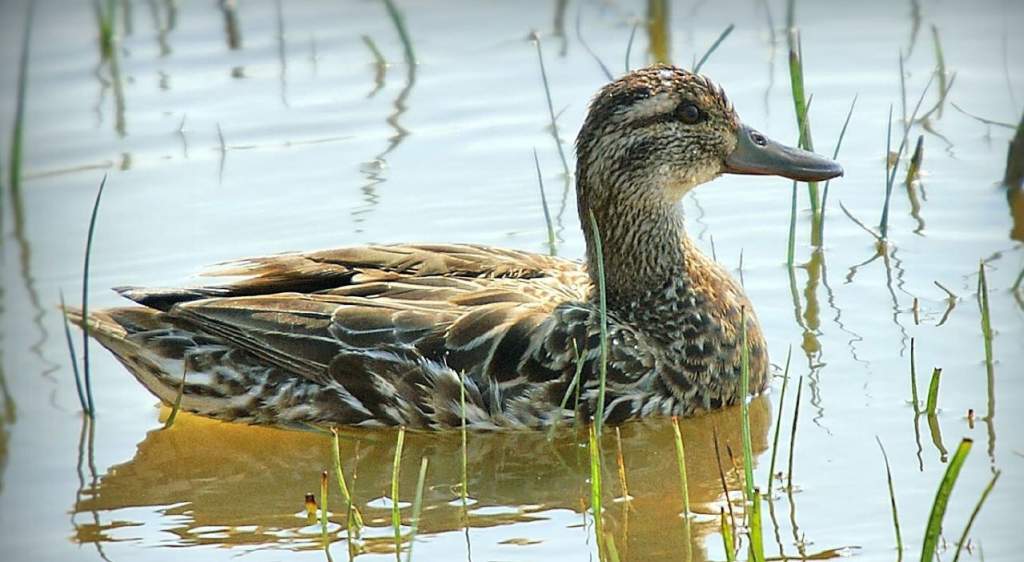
(642,243)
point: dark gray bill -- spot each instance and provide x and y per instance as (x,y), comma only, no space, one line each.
(756,154)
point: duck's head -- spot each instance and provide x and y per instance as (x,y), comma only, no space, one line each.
(659,131)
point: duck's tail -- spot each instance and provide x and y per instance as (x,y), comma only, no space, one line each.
(212,378)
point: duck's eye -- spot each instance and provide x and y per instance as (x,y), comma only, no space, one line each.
(690,114)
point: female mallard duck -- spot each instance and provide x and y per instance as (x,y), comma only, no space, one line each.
(387,335)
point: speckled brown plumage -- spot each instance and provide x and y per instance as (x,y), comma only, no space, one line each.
(387,335)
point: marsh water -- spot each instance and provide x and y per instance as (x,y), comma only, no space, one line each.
(228,130)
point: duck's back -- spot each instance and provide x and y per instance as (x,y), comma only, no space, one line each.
(380,335)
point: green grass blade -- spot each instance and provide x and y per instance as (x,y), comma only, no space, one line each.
(603,366)
(792,433)
(931,406)
(85,298)
(177,398)
(339,475)
(835,154)
(727,536)
(801,105)
(721,37)
(756,532)
(71,351)
(778,420)
(892,503)
(748,455)
(934,528)
(417,504)
(883,224)
(791,241)
(974,514)
(396,515)
(681,463)
(596,491)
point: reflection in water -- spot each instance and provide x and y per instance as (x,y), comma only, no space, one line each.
(282,53)
(558,25)
(915,25)
(373,170)
(659,44)
(809,321)
(233,485)
(18,207)
(231,30)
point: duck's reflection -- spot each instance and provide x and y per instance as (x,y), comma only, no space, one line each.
(229,484)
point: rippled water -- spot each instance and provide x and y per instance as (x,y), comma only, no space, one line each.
(271,127)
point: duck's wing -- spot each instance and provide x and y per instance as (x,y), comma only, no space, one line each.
(400,348)
(328,269)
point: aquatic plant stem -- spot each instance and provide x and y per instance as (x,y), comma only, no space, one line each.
(681,462)
(721,37)
(892,503)
(748,456)
(778,420)
(603,303)
(974,514)
(551,106)
(396,516)
(934,527)
(85,299)
(417,504)
(339,475)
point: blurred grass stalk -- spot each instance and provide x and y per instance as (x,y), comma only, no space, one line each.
(106,20)
(551,107)
(552,250)
(658,30)
(721,37)
(938,512)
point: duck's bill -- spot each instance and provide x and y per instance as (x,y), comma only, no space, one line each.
(756,154)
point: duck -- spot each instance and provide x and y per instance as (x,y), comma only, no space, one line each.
(434,336)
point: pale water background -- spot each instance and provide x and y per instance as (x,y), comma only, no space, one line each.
(324,147)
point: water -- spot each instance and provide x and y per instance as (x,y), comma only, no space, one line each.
(323,147)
